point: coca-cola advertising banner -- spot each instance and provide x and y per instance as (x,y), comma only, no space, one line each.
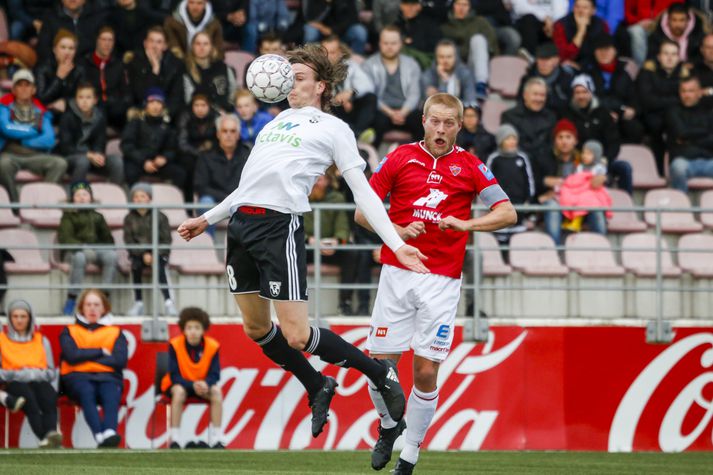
(527,388)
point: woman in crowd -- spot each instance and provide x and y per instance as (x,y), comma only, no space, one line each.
(58,76)
(206,72)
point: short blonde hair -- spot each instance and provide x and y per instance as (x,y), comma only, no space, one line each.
(448,100)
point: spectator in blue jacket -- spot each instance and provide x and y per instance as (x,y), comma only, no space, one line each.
(252,120)
(26,135)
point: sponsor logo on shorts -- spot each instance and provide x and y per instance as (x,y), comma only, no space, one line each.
(275,288)
(440,343)
(443,331)
(381,332)
(439,349)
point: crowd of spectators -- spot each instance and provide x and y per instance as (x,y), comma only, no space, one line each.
(153,74)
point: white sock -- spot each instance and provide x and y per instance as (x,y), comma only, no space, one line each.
(215,435)
(99,437)
(386,421)
(420,410)
(176,435)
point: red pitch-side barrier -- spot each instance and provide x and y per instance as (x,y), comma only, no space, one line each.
(528,388)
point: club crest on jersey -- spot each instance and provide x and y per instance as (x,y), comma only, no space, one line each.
(455,169)
(434,178)
(485,171)
(275,288)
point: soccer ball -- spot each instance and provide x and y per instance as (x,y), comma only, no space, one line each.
(270,78)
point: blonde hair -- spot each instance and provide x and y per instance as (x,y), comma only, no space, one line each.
(448,100)
(192,64)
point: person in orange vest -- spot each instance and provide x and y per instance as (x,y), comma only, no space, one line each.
(194,371)
(27,368)
(93,355)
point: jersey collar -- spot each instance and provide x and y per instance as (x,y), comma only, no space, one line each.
(421,144)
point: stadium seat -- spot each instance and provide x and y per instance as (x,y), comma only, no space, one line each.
(623,221)
(122,255)
(238,60)
(698,264)
(533,253)
(26,176)
(505,74)
(707,203)
(7,219)
(42,194)
(643,164)
(187,259)
(397,136)
(168,194)
(26,261)
(638,255)
(700,183)
(492,258)
(590,255)
(491,111)
(109,193)
(113,147)
(671,222)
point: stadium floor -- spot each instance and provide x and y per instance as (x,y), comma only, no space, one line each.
(26,462)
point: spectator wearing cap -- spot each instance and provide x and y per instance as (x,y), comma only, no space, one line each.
(154,66)
(81,18)
(682,25)
(704,69)
(325,17)
(190,18)
(449,75)
(105,71)
(533,121)
(218,173)
(472,136)
(421,32)
(657,84)
(84,228)
(574,33)
(475,39)
(536,20)
(207,73)
(689,129)
(196,136)
(138,231)
(82,139)
(58,75)
(26,135)
(558,78)
(550,172)
(595,122)
(149,144)
(615,88)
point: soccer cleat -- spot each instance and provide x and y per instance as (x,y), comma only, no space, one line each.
(68,309)
(218,445)
(192,445)
(403,467)
(202,445)
(381,453)
(319,403)
(13,403)
(174,445)
(54,439)
(391,391)
(136,309)
(111,442)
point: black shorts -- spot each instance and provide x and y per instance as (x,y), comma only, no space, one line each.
(266,254)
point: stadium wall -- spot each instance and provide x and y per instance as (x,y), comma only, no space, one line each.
(530,387)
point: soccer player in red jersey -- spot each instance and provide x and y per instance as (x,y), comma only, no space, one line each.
(432,184)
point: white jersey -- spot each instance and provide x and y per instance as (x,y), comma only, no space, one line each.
(290,152)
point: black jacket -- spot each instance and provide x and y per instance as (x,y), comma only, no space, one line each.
(690,131)
(493,10)
(535,129)
(79,134)
(423,30)
(216,176)
(86,28)
(596,123)
(621,90)
(705,74)
(116,97)
(217,80)
(50,87)
(146,137)
(559,89)
(338,16)
(515,175)
(130,27)
(481,141)
(658,91)
(196,136)
(170,79)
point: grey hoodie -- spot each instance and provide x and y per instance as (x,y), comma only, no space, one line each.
(410,78)
(28,374)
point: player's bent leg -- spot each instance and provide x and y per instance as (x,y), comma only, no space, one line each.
(256,314)
(389,430)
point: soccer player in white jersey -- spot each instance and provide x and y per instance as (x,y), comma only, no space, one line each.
(266,244)
(431,184)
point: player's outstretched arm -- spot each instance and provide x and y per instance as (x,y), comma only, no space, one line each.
(501,216)
(374,212)
(413,230)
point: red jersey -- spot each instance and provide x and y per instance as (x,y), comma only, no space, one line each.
(424,188)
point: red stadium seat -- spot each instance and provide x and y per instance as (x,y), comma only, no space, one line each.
(673,222)
(638,255)
(533,253)
(109,193)
(238,60)
(492,258)
(623,221)
(505,74)
(590,255)
(707,202)
(169,194)
(187,259)
(691,259)
(491,111)
(643,164)
(7,219)
(39,194)
(26,261)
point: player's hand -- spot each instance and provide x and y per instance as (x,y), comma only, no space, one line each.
(412,258)
(192,227)
(449,222)
(413,230)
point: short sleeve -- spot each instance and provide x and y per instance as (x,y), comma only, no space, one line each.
(382,179)
(487,186)
(346,153)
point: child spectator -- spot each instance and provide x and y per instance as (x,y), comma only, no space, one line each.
(205,71)
(585,187)
(58,75)
(137,230)
(94,352)
(82,139)
(84,228)
(194,371)
(512,168)
(149,143)
(196,136)
(29,374)
(473,136)
(252,120)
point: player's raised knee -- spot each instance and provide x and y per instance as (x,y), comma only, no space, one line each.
(255,330)
(178,393)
